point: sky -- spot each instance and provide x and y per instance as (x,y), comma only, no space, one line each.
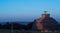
(28,10)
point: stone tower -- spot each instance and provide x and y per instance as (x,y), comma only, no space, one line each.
(45,23)
(39,20)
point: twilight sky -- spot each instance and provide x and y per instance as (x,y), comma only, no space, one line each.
(28,10)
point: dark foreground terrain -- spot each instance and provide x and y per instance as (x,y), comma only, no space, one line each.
(18,31)
(20,28)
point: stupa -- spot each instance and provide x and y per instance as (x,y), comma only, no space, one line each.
(45,23)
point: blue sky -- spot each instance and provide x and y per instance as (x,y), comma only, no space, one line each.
(28,10)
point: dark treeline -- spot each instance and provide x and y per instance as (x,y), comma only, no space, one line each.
(17,26)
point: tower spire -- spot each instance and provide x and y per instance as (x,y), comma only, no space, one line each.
(45,12)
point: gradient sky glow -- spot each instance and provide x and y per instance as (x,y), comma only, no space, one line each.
(28,10)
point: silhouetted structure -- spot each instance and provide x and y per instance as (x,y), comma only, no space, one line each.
(45,23)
